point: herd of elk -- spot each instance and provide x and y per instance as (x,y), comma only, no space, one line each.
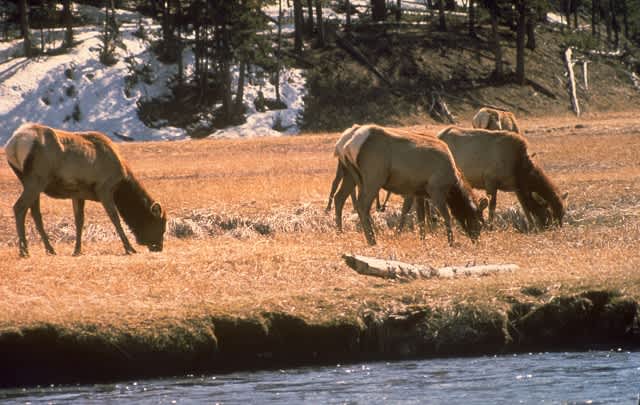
(490,159)
(443,169)
(375,157)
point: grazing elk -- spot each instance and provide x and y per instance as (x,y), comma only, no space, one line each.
(340,172)
(376,157)
(499,160)
(495,119)
(80,166)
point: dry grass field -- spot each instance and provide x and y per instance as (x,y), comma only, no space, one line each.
(248,234)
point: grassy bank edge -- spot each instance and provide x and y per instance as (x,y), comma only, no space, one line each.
(52,354)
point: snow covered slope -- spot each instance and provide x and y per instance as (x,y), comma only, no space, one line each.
(75,91)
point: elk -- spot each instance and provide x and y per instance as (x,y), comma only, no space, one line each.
(377,157)
(80,166)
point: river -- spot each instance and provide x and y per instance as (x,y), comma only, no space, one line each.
(595,377)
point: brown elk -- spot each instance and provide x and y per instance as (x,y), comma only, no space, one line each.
(495,119)
(499,160)
(340,172)
(80,166)
(378,157)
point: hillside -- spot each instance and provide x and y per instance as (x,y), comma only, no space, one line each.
(418,62)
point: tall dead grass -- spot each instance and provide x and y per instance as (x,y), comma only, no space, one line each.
(248,234)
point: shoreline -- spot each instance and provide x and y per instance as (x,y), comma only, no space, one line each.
(48,354)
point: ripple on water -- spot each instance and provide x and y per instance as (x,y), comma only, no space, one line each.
(551,378)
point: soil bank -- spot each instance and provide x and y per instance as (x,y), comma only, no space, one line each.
(48,354)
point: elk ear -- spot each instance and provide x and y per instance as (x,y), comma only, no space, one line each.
(156,210)
(565,195)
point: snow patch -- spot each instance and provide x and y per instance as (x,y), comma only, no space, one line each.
(74,91)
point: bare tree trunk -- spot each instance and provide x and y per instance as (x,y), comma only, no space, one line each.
(310,18)
(166,30)
(442,23)
(238,109)
(347,25)
(531,32)
(398,10)
(154,8)
(68,22)
(179,44)
(495,39)
(615,26)
(320,23)
(24,27)
(198,52)
(378,10)
(607,21)
(472,19)
(278,51)
(566,9)
(521,7)
(225,66)
(594,17)
(298,21)
(625,18)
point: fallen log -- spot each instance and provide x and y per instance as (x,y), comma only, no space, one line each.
(393,269)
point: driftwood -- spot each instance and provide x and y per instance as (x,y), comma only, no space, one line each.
(393,269)
(572,81)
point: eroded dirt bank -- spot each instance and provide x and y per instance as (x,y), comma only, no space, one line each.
(48,354)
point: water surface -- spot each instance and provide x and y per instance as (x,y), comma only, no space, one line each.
(599,377)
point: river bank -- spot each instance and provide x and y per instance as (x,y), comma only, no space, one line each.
(47,354)
(252,274)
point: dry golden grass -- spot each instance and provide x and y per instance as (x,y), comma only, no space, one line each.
(248,234)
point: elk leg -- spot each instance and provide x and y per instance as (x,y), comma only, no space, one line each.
(347,187)
(334,185)
(78,215)
(525,202)
(427,210)
(106,198)
(383,207)
(37,219)
(406,207)
(421,216)
(439,201)
(365,199)
(492,191)
(30,194)
(354,198)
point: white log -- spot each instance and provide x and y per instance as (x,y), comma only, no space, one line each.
(393,269)
(585,75)
(572,81)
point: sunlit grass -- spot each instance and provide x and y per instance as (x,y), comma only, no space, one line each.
(248,234)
